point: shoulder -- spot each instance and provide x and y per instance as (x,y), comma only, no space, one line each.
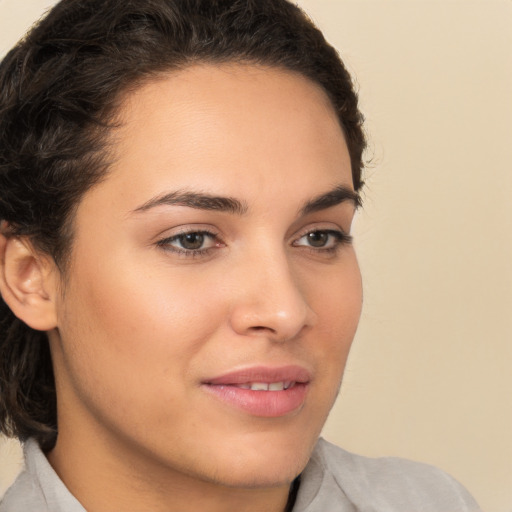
(24,493)
(387,484)
(38,487)
(11,462)
(21,495)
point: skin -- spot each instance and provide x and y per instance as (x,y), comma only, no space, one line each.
(140,323)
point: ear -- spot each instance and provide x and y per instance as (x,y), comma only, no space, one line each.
(28,282)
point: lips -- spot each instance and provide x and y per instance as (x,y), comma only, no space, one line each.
(262,391)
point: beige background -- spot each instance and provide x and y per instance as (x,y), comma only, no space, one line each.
(430,374)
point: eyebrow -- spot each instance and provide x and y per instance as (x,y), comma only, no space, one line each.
(198,200)
(203,201)
(336,196)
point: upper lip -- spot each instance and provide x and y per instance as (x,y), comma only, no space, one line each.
(268,374)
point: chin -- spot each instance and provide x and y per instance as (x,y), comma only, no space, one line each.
(261,462)
(265,474)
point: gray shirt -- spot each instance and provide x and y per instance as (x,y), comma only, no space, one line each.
(334,481)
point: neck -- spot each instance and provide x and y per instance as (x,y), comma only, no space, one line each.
(104,477)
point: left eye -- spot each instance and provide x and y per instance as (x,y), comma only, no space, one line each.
(322,239)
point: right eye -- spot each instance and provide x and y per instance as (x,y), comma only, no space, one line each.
(191,243)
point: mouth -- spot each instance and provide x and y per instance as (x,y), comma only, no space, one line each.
(262,391)
(266,386)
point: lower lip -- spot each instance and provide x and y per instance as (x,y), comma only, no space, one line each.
(267,404)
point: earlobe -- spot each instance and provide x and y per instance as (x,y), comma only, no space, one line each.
(27,282)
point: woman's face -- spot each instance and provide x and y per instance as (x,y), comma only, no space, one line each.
(213,261)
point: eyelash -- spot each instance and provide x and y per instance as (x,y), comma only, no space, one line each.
(188,253)
(340,237)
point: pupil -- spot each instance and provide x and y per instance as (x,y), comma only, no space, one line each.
(318,238)
(192,241)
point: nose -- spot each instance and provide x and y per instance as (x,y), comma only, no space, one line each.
(270,300)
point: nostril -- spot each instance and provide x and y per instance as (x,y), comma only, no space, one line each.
(261,328)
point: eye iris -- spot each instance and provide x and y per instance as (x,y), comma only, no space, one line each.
(192,241)
(318,238)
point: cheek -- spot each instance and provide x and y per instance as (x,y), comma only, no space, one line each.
(337,299)
(134,328)
(129,303)
(337,302)
(338,306)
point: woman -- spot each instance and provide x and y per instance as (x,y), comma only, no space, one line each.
(178,181)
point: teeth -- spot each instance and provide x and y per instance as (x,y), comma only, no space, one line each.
(265,386)
(259,386)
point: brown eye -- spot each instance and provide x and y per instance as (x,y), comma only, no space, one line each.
(323,239)
(318,238)
(191,241)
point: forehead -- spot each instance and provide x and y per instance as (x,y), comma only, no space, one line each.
(228,129)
